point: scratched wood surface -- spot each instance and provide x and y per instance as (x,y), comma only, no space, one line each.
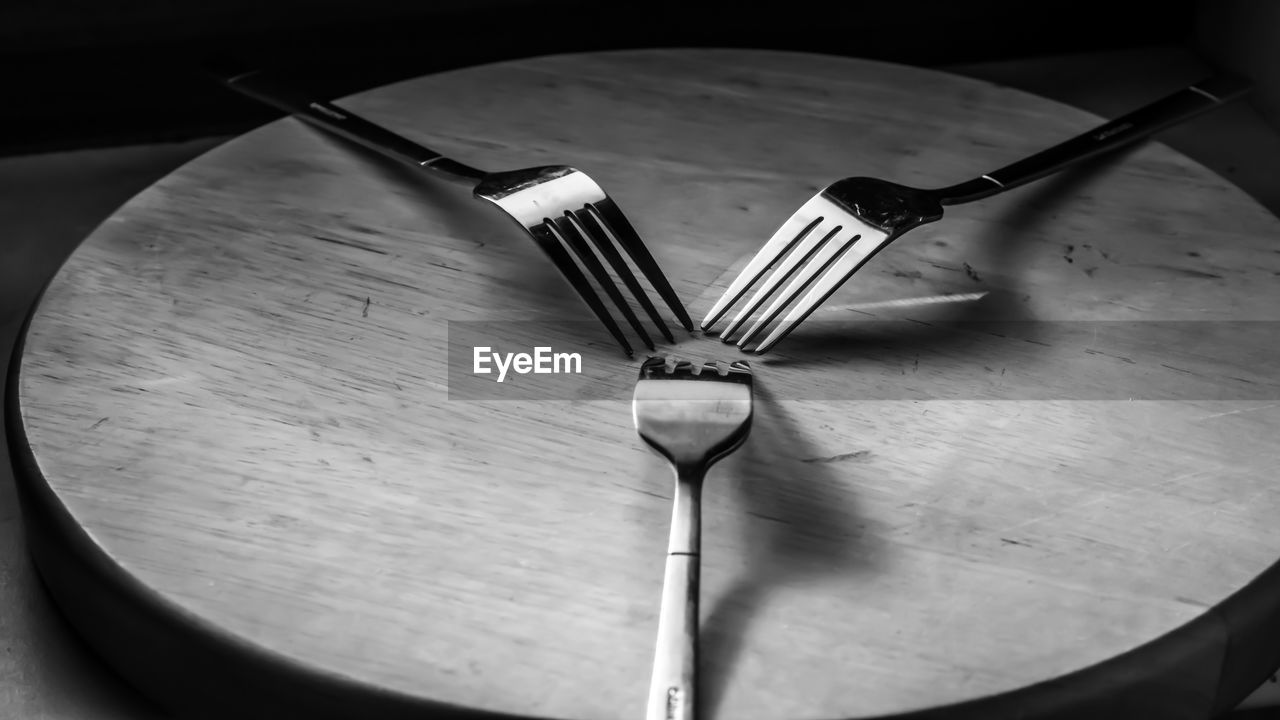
(1034,437)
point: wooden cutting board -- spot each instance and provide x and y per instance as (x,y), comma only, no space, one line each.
(1022,465)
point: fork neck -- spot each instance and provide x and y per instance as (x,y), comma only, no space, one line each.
(686,522)
(968,191)
(691,473)
(453,170)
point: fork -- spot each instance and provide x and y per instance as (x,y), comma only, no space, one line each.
(838,230)
(563,210)
(693,416)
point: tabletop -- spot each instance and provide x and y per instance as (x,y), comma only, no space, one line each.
(1020,465)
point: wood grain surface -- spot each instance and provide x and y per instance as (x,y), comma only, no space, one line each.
(1023,465)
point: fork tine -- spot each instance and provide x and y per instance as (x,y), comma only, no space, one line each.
(600,237)
(844,268)
(826,256)
(566,227)
(792,231)
(614,222)
(652,365)
(551,245)
(814,239)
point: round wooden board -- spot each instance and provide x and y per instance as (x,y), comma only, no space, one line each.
(1043,483)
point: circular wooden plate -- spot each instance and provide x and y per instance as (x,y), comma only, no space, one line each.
(1023,464)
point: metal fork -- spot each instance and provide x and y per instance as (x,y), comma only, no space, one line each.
(561,208)
(837,231)
(693,416)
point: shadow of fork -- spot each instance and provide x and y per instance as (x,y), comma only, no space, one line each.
(798,524)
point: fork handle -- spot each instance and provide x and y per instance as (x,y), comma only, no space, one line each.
(265,88)
(672,691)
(1141,123)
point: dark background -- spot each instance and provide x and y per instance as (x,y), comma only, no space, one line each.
(84,73)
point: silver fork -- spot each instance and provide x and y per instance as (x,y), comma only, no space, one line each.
(838,230)
(693,416)
(561,208)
